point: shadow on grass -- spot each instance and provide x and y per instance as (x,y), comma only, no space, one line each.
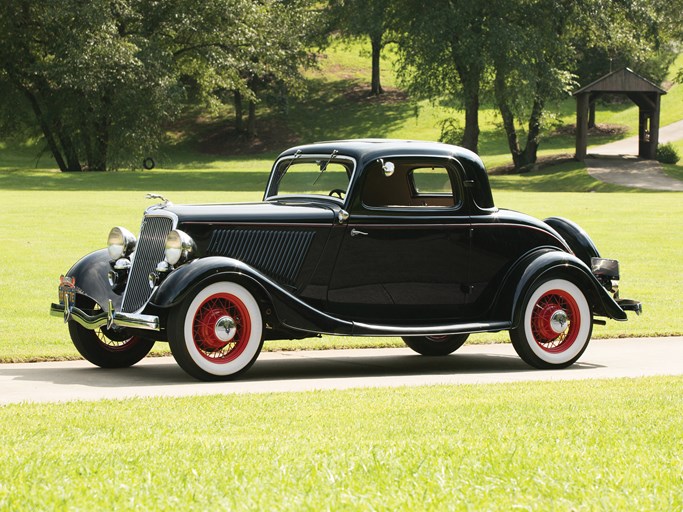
(229,181)
(565,177)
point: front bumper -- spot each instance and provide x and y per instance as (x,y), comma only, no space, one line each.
(107,319)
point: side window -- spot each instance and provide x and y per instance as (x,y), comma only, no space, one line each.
(432,183)
(411,184)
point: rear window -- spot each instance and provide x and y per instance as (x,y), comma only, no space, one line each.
(409,184)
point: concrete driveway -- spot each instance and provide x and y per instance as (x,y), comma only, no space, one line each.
(335,369)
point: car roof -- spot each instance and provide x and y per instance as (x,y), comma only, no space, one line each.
(368,150)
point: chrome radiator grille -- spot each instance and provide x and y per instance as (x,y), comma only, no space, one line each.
(149,252)
(277,253)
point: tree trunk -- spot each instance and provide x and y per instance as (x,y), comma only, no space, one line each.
(533,139)
(100,148)
(520,157)
(470,78)
(239,112)
(591,114)
(376,86)
(47,131)
(251,120)
(508,121)
(70,153)
(470,138)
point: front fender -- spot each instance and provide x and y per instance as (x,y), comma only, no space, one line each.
(90,273)
(548,263)
(290,311)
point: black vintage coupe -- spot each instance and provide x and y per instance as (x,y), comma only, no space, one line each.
(358,238)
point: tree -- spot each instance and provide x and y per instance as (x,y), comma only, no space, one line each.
(442,52)
(280,37)
(373,19)
(530,62)
(97,91)
(102,78)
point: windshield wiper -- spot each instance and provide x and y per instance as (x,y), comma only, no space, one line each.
(281,175)
(323,167)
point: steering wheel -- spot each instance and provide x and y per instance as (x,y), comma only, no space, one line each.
(337,191)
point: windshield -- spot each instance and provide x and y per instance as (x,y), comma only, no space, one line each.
(325,175)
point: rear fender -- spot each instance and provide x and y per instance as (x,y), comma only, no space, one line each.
(578,240)
(547,264)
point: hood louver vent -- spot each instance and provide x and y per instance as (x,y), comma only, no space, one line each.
(277,253)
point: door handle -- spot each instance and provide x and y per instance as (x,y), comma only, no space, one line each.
(355,232)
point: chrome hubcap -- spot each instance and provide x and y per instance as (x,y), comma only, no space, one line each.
(558,321)
(225,328)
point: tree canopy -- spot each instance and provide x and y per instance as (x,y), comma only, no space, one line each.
(102,78)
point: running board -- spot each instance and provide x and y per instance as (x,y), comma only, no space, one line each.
(362,329)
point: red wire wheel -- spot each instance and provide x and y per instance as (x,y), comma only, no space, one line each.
(107,348)
(555,321)
(221,328)
(115,342)
(437,344)
(555,325)
(217,332)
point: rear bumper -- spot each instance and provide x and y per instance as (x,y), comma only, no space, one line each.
(630,305)
(109,318)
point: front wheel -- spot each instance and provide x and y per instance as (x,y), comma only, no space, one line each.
(107,348)
(436,345)
(216,333)
(555,325)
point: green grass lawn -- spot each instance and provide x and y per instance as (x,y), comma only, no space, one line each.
(51,219)
(581,445)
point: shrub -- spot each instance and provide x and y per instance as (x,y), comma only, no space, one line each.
(667,154)
(451,132)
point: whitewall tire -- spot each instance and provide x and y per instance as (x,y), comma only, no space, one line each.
(216,333)
(555,326)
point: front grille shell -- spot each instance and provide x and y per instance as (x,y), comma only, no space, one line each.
(148,253)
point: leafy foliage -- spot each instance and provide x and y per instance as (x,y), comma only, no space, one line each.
(668,154)
(102,78)
(525,54)
(374,19)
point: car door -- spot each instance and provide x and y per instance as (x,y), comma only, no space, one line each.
(404,254)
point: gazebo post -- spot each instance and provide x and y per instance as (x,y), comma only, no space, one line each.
(654,128)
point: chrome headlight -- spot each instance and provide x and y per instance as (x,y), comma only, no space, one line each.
(121,243)
(179,247)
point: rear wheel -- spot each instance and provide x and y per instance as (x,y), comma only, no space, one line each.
(108,348)
(436,345)
(555,326)
(216,333)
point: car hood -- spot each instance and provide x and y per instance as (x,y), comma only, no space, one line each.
(256,213)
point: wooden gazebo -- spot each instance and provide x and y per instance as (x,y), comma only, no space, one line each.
(640,91)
